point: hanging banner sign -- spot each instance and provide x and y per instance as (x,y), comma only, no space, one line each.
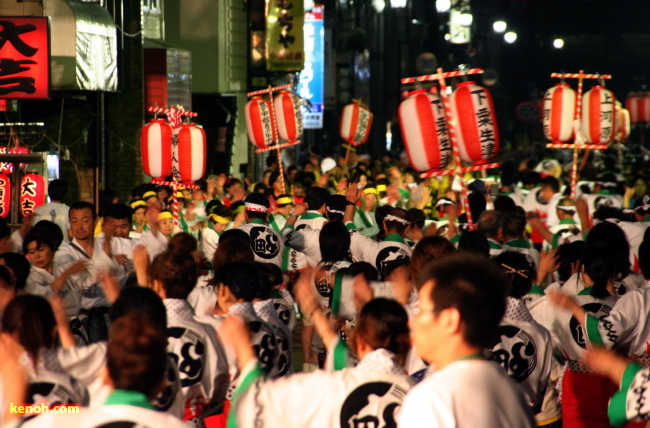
(5,195)
(24,57)
(284,35)
(32,193)
(310,85)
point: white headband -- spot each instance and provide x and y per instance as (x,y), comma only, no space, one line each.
(442,202)
(567,209)
(606,183)
(391,217)
(335,211)
(255,207)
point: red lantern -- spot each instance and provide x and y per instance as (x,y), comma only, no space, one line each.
(622,122)
(598,115)
(355,124)
(559,113)
(260,123)
(32,193)
(475,123)
(424,131)
(156,147)
(5,195)
(638,104)
(288,115)
(190,152)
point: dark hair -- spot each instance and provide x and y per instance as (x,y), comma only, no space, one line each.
(53,230)
(259,188)
(520,272)
(334,242)
(363,268)
(30,318)
(474,242)
(243,279)
(608,235)
(397,226)
(135,357)
(428,249)
(335,203)
(489,223)
(273,273)
(477,204)
(236,234)
(203,185)
(531,178)
(514,226)
(81,205)
(57,189)
(4,229)
(182,244)
(258,199)
(504,204)
(568,254)
(119,212)
(383,324)
(19,265)
(476,288)
(551,182)
(316,197)
(176,272)
(601,268)
(644,259)
(275,175)
(417,217)
(41,237)
(231,250)
(380,214)
(265,291)
(140,302)
(106,198)
(603,212)
(222,211)
(213,205)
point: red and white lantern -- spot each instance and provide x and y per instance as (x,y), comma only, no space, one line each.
(559,113)
(260,122)
(5,195)
(622,122)
(288,115)
(638,104)
(355,124)
(598,115)
(190,152)
(156,147)
(424,129)
(32,193)
(475,123)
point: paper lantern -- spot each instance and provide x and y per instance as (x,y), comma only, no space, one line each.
(559,113)
(355,124)
(5,195)
(260,122)
(622,122)
(424,131)
(156,148)
(32,193)
(598,115)
(190,152)
(638,104)
(475,122)
(288,115)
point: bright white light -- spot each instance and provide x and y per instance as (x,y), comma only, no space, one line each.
(510,37)
(499,26)
(443,6)
(447,36)
(465,19)
(558,43)
(398,4)
(379,5)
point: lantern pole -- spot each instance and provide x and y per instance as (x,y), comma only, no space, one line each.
(579,141)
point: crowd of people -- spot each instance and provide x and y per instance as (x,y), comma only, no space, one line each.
(527,307)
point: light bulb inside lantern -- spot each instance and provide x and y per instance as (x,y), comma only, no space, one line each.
(510,37)
(499,26)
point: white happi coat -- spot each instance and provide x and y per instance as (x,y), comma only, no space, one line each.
(595,200)
(266,311)
(368,395)
(524,351)
(378,254)
(633,281)
(634,231)
(155,243)
(266,244)
(209,242)
(626,328)
(470,393)
(283,303)
(524,247)
(305,241)
(369,216)
(632,401)
(86,364)
(84,282)
(199,357)
(568,336)
(315,221)
(56,213)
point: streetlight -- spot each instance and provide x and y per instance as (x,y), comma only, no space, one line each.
(398,4)
(465,19)
(510,37)
(443,6)
(499,26)
(558,43)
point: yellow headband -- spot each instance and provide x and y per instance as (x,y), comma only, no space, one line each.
(219,219)
(180,195)
(164,214)
(239,209)
(138,204)
(149,194)
(381,187)
(370,190)
(285,201)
